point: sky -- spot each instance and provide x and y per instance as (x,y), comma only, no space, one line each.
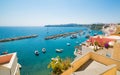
(49,12)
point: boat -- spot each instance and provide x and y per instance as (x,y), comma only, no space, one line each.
(89,31)
(95,34)
(3,53)
(73,36)
(77,52)
(19,66)
(59,50)
(43,50)
(77,42)
(36,52)
(87,36)
(68,44)
(84,33)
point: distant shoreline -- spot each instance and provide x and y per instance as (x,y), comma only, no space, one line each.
(91,26)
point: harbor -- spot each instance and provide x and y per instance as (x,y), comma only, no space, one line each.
(26,48)
(18,38)
(61,35)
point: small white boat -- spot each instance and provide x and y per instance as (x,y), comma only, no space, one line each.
(68,44)
(36,52)
(77,42)
(43,50)
(77,52)
(19,66)
(59,50)
(87,36)
(73,36)
(3,53)
(95,34)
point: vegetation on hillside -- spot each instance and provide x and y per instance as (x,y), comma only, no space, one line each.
(67,25)
(97,26)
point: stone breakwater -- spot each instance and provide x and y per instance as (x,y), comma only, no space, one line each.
(18,38)
(61,35)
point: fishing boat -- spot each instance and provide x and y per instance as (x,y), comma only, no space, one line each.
(68,44)
(43,50)
(37,52)
(59,50)
(19,66)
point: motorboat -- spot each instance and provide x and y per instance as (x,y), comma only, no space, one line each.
(95,34)
(89,31)
(59,50)
(87,36)
(77,52)
(68,44)
(43,50)
(4,52)
(77,42)
(73,36)
(37,52)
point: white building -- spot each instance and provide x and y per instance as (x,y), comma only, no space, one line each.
(9,64)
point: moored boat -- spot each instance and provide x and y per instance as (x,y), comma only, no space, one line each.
(73,36)
(95,34)
(59,50)
(77,52)
(68,44)
(37,52)
(19,66)
(4,52)
(43,50)
(77,42)
(87,36)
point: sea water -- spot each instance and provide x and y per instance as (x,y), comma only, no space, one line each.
(37,65)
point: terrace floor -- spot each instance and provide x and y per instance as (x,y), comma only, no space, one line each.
(92,67)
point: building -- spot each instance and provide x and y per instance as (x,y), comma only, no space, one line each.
(104,61)
(9,64)
(92,63)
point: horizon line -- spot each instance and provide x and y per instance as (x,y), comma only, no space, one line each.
(52,24)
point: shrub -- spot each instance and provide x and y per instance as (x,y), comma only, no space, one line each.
(106,45)
(58,65)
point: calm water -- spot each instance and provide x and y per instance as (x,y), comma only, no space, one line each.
(37,65)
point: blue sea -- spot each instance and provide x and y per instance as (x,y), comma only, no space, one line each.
(37,65)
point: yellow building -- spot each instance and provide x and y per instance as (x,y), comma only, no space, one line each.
(116,51)
(100,65)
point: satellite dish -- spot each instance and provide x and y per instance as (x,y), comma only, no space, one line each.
(109,29)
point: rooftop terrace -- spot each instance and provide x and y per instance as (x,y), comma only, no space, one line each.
(92,63)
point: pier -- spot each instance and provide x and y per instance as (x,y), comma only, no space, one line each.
(18,38)
(61,35)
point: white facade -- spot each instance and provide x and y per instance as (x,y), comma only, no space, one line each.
(10,68)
